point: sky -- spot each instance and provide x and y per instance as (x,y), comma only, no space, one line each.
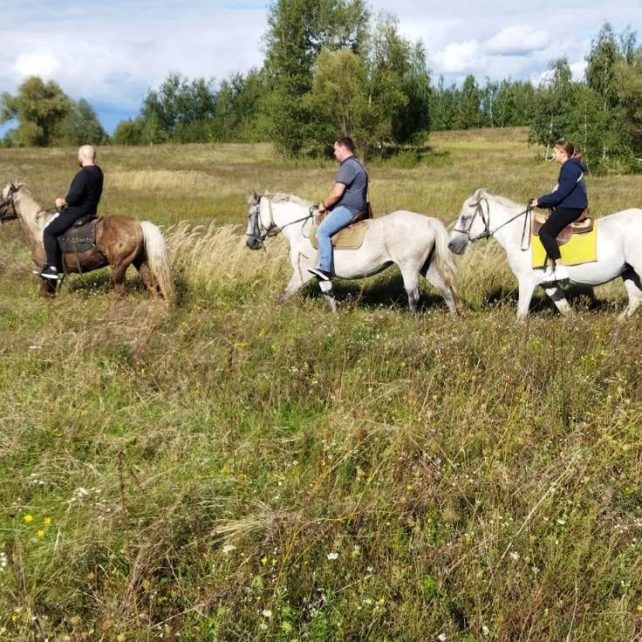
(112,53)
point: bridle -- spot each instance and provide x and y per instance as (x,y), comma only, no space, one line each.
(259,232)
(9,201)
(485,217)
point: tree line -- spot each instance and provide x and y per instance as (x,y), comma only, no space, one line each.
(332,69)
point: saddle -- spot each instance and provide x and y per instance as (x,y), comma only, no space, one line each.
(582,225)
(347,238)
(78,246)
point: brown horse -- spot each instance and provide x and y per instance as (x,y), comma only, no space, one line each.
(119,242)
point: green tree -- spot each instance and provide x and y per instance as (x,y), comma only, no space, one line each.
(39,108)
(81,126)
(468,112)
(128,132)
(178,111)
(297,32)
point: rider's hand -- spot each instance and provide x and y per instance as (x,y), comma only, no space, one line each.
(60,203)
(532,202)
(321,207)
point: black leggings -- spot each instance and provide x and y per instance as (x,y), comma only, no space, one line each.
(560,217)
(62,222)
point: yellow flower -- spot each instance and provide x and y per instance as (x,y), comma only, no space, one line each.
(28,518)
(46,521)
(639,608)
(40,534)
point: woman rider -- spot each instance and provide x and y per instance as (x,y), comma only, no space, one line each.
(567,202)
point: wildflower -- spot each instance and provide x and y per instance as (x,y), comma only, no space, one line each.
(40,534)
(333,555)
(266,613)
(46,521)
(639,608)
(28,518)
(228,548)
(442,637)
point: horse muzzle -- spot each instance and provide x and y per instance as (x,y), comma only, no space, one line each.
(253,242)
(458,244)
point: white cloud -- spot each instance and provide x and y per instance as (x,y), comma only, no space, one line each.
(36,63)
(458,57)
(518,40)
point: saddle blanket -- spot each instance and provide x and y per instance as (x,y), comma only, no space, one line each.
(349,238)
(581,248)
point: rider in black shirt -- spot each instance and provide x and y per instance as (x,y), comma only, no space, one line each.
(81,201)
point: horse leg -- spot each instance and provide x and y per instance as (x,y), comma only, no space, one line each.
(328,295)
(434,277)
(526,289)
(410,276)
(634,290)
(300,276)
(146,275)
(557,296)
(47,289)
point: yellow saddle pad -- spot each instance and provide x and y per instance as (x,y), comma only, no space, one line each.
(581,248)
(349,238)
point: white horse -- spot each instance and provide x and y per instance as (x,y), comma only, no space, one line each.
(418,244)
(619,249)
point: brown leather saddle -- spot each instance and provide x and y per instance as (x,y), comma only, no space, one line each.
(582,225)
(78,246)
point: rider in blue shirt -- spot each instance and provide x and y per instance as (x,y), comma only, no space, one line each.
(347,199)
(567,202)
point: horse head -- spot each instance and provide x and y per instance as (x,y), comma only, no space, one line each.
(7,203)
(473,222)
(255,231)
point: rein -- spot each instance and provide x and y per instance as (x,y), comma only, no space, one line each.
(487,233)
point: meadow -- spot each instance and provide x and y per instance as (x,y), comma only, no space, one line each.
(231,468)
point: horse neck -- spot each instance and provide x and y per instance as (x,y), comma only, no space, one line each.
(509,232)
(31,216)
(282,213)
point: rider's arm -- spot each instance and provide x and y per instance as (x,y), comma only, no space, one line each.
(334,196)
(76,193)
(566,184)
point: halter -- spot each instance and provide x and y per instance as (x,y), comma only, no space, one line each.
(9,200)
(485,217)
(259,231)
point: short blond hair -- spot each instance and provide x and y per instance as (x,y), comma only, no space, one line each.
(87,152)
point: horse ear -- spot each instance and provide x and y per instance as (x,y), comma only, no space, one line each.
(253,198)
(480,192)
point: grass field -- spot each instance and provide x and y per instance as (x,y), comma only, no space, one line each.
(230,468)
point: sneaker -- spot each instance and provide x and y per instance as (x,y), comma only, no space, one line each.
(322,275)
(50,273)
(561,274)
(548,278)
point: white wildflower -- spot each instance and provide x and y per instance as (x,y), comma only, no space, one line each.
(333,555)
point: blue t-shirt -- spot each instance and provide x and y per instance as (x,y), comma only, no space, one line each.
(354,177)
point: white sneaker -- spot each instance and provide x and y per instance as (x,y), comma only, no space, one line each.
(548,277)
(561,273)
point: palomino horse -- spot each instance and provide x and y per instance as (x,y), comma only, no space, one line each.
(120,241)
(619,251)
(417,244)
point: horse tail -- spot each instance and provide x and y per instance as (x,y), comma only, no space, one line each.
(443,256)
(158,259)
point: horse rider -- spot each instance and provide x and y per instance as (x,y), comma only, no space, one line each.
(567,202)
(81,201)
(347,199)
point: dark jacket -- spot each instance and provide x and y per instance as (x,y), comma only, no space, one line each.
(570,190)
(85,191)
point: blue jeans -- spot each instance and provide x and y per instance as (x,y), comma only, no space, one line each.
(336,220)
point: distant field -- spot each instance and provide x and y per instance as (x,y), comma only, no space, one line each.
(235,469)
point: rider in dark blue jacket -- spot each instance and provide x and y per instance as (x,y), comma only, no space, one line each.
(567,202)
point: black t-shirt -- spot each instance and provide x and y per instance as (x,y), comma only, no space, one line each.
(85,191)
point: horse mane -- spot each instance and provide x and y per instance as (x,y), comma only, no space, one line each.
(502,200)
(282,197)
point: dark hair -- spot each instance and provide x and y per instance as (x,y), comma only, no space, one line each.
(569,148)
(346,142)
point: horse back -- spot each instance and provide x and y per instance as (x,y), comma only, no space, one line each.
(119,235)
